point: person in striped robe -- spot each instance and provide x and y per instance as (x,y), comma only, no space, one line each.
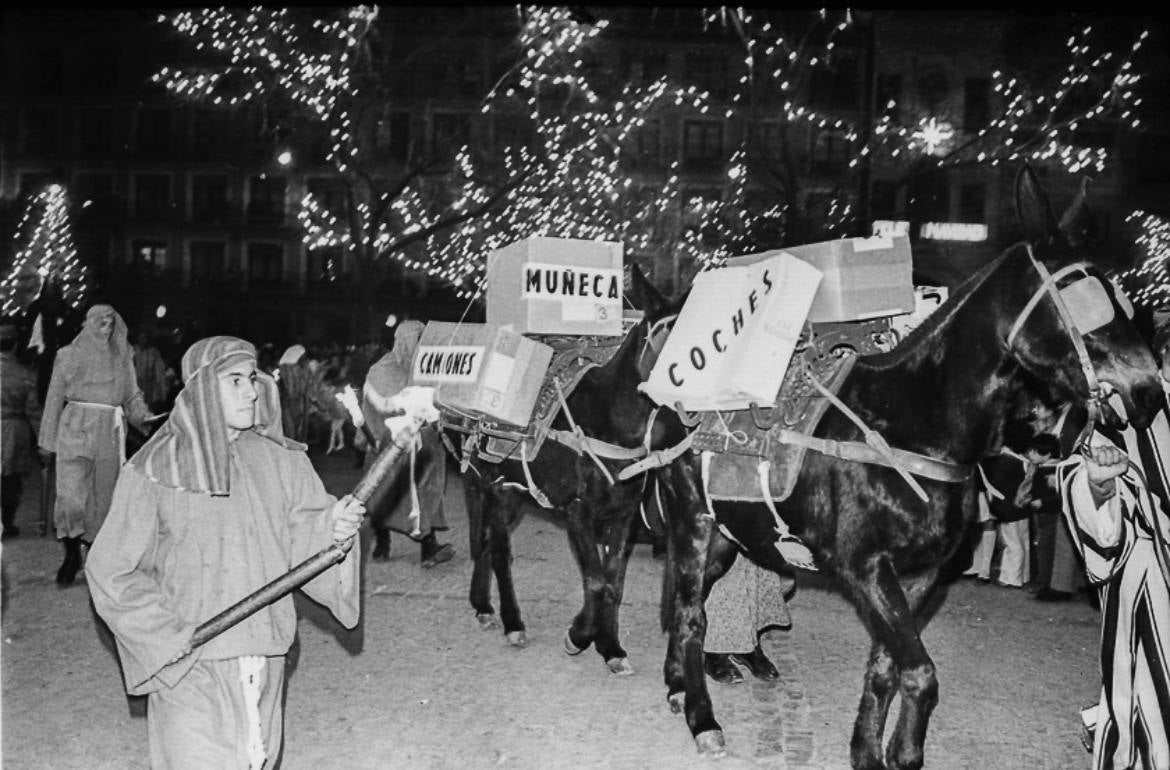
(1116,505)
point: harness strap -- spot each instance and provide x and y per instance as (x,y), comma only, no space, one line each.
(582,438)
(890,457)
(657,459)
(789,545)
(583,444)
(918,464)
(533,490)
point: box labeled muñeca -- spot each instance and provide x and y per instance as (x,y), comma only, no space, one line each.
(543,285)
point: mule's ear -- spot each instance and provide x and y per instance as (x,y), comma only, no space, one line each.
(1076,225)
(1033,210)
(642,293)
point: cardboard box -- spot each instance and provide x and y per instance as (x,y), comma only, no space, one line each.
(481,369)
(734,336)
(542,285)
(863,277)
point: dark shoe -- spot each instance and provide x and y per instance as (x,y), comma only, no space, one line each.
(381,545)
(438,556)
(720,667)
(757,662)
(10,531)
(68,571)
(1047,594)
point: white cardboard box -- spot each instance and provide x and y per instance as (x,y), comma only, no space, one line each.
(482,369)
(863,277)
(543,285)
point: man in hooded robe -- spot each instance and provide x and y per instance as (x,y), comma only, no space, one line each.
(297,396)
(217,504)
(413,503)
(92,392)
(20,417)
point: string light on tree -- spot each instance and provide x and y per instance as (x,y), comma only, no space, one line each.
(45,251)
(1149,282)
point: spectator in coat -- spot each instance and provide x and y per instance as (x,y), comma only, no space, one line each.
(415,506)
(20,418)
(92,393)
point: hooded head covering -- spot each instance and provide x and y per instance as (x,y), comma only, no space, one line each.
(391,373)
(97,356)
(190,451)
(292,354)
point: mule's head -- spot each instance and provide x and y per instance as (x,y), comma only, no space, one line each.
(1070,326)
(658,315)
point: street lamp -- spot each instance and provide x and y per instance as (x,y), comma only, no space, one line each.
(285,158)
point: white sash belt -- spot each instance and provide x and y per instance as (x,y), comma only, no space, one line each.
(119,424)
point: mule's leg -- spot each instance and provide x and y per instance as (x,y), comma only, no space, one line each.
(476,494)
(583,544)
(616,549)
(691,529)
(898,663)
(503,515)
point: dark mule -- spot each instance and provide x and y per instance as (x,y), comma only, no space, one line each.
(943,394)
(600,514)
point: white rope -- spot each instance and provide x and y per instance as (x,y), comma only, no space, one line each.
(415,509)
(580,434)
(789,545)
(533,490)
(251,671)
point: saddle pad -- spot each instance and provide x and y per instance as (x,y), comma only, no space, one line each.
(572,357)
(740,445)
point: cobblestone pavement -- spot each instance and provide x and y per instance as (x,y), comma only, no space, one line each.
(419,684)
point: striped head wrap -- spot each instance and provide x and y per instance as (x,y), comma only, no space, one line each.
(190,451)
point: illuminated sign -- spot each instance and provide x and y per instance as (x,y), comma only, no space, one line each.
(952,231)
(886,228)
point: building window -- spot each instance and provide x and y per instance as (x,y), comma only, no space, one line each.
(93,188)
(930,197)
(265,263)
(153,131)
(266,200)
(889,97)
(148,256)
(702,142)
(449,131)
(836,85)
(95,130)
(771,139)
(709,71)
(394,135)
(42,130)
(830,150)
(976,104)
(973,203)
(883,202)
(152,196)
(330,194)
(648,143)
(208,259)
(645,67)
(209,197)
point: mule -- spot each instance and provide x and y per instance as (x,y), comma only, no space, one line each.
(941,394)
(599,512)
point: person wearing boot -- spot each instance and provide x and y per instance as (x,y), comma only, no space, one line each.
(413,506)
(20,418)
(745,604)
(92,392)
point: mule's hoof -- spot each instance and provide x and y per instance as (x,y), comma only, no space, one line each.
(677,701)
(711,743)
(380,555)
(620,666)
(486,620)
(517,638)
(571,648)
